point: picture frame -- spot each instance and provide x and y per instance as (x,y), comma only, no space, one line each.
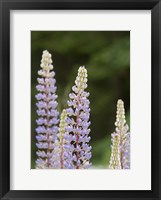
(5,103)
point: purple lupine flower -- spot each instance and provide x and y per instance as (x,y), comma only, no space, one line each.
(62,157)
(120,149)
(125,148)
(47,113)
(78,120)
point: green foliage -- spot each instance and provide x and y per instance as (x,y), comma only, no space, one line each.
(101,151)
(106,55)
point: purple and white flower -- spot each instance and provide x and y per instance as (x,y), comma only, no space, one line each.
(63,152)
(47,113)
(78,121)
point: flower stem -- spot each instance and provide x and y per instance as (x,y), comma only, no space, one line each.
(77,141)
(47,126)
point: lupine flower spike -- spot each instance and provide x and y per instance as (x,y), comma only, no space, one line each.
(120,149)
(62,154)
(115,162)
(47,113)
(78,120)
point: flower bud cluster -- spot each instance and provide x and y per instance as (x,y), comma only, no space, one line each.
(115,162)
(124,138)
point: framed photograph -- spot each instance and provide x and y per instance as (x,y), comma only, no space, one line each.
(80,99)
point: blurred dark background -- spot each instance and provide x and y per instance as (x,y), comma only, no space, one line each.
(106,55)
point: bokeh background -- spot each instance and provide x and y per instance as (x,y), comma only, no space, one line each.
(106,55)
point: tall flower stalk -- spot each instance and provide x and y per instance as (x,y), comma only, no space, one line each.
(47,113)
(78,120)
(120,148)
(63,151)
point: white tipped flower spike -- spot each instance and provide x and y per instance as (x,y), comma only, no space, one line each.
(123,137)
(47,113)
(62,154)
(78,120)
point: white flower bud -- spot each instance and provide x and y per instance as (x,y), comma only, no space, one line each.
(81,79)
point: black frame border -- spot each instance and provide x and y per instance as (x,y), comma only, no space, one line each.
(5,7)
